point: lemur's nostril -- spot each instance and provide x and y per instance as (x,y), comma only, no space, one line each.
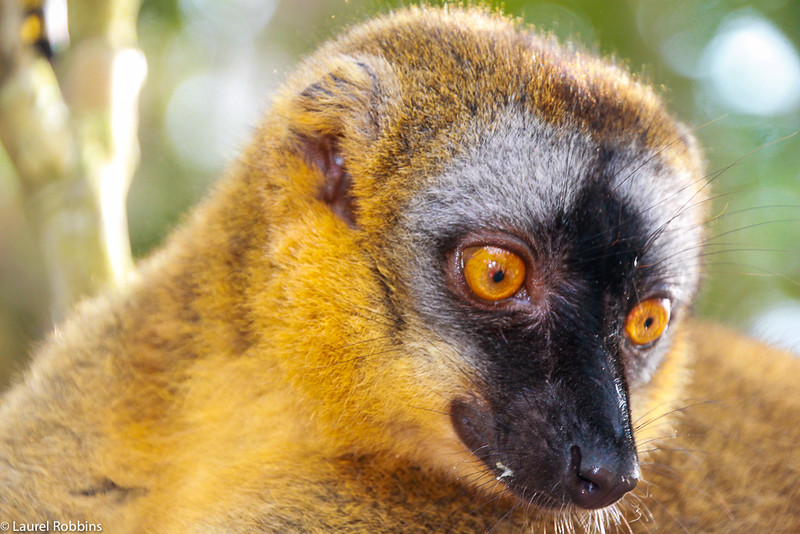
(596,484)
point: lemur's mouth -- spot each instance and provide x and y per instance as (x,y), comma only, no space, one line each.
(548,467)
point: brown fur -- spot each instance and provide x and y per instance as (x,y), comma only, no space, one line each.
(248,379)
(735,462)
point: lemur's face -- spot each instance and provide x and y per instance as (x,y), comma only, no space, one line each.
(558,267)
(531,218)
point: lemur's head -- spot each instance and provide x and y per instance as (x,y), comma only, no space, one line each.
(506,238)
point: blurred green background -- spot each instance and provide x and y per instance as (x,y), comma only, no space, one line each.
(213,64)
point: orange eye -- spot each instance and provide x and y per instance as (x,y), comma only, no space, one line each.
(647,321)
(493,273)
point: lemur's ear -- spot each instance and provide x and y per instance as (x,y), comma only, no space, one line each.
(342,110)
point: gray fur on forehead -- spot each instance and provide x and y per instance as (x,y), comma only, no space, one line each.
(519,171)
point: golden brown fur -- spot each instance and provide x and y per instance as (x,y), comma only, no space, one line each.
(249,378)
(735,461)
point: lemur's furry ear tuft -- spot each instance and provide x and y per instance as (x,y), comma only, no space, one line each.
(345,107)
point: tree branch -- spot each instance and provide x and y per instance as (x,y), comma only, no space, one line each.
(70,132)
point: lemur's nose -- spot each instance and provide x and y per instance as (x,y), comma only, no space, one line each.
(598,482)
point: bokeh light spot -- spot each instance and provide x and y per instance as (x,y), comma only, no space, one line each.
(751,67)
(207,118)
(778,325)
(235,19)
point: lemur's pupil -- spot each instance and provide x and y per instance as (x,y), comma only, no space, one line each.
(648,322)
(498,277)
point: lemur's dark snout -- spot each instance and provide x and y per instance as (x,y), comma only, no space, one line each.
(597,482)
(546,451)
